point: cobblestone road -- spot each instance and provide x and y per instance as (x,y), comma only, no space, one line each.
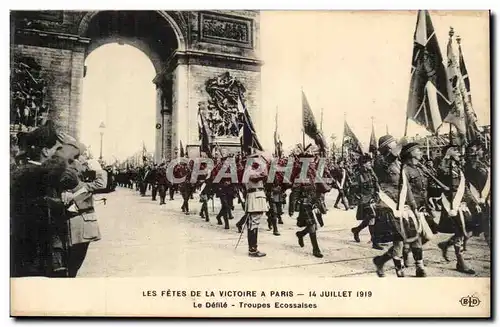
(141,238)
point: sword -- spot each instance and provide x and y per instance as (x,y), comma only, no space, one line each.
(242,230)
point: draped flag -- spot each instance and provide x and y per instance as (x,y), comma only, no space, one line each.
(456,115)
(248,136)
(203,133)
(278,145)
(310,126)
(373,141)
(351,141)
(181,151)
(428,99)
(473,132)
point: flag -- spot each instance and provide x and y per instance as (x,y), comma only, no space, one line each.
(373,141)
(278,145)
(310,126)
(428,99)
(181,151)
(203,134)
(456,115)
(351,141)
(473,132)
(248,138)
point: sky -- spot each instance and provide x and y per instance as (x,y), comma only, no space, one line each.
(118,91)
(352,64)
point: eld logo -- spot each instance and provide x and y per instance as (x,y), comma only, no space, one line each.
(470,301)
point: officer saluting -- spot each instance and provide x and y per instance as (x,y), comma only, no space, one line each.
(256,203)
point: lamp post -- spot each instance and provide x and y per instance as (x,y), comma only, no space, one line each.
(101,131)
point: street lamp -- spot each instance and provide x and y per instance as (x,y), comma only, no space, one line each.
(101,131)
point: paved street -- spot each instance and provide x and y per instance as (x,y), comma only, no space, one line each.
(141,238)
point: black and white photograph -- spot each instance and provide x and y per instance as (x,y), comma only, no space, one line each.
(326,148)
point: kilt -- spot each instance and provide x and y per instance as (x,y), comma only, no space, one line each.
(364,212)
(452,225)
(306,217)
(384,228)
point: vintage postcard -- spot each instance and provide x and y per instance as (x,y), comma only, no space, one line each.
(247,163)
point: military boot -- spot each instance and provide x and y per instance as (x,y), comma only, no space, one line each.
(300,235)
(226,222)
(275,228)
(461,265)
(375,244)
(420,272)
(406,255)
(444,249)
(379,262)
(398,265)
(252,244)
(314,241)
(355,233)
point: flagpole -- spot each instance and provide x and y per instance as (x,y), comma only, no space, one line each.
(321,123)
(303,139)
(428,150)
(450,137)
(343,137)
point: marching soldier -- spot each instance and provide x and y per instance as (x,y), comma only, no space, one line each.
(151,180)
(402,222)
(455,209)
(478,173)
(417,176)
(162,182)
(341,180)
(275,209)
(367,189)
(306,199)
(256,205)
(206,194)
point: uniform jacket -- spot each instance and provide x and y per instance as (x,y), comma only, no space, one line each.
(476,172)
(161,176)
(418,182)
(366,186)
(450,176)
(83,223)
(388,172)
(256,197)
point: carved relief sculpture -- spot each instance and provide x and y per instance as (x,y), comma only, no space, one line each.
(225,29)
(27,94)
(224,116)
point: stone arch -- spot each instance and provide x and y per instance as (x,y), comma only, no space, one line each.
(136,43)
(181,43)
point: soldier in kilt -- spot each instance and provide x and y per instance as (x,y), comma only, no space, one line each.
(273,195)
(416,173)
(367,189)
(456,217)
(341,183)
(306,199)
(478,173)
(402,220)
(206,193)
